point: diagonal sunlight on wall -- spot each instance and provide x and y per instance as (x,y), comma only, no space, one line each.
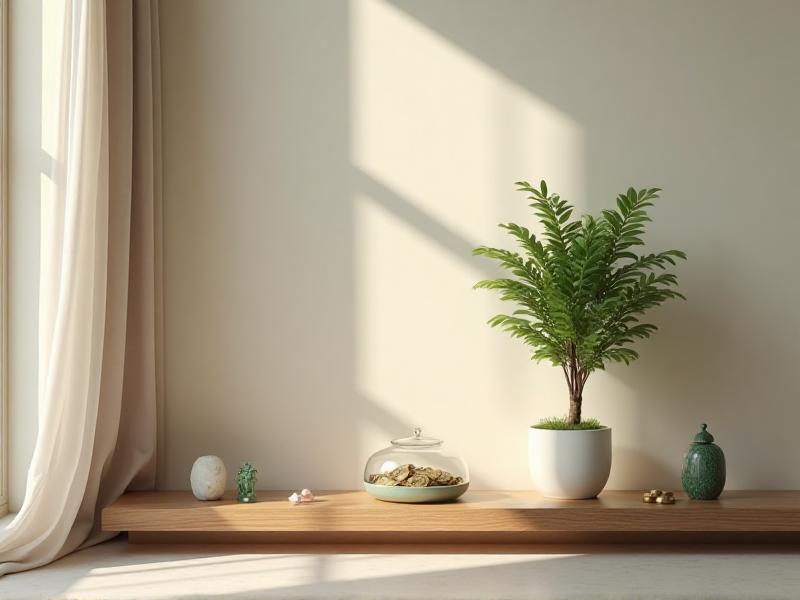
(438,140)
(443,128)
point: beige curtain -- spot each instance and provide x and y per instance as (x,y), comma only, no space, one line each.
(100,274)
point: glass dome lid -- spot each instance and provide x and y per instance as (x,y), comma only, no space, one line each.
(417,440)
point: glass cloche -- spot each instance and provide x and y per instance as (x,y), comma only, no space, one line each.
(415,469)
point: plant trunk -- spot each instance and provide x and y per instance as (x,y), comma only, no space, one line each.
(575,409)
(575,380)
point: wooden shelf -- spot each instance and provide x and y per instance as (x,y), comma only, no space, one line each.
(478,517)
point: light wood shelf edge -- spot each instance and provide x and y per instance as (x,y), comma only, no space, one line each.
(491,517)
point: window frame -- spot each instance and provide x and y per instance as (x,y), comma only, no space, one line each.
(3,258)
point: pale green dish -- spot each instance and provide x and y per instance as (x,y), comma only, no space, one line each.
(415,495)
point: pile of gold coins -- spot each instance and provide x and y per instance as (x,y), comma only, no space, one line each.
(658,497)
(411,476)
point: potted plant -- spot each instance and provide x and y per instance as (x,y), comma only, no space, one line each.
(581,291)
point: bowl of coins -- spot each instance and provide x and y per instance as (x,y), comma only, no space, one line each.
(416,470)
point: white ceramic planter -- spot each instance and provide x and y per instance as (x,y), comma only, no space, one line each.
(569,464)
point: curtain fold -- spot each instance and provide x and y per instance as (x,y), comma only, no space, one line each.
(99,281)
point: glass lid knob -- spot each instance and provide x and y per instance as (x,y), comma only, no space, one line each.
(417,440)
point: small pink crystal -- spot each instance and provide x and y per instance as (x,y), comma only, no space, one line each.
(303,496)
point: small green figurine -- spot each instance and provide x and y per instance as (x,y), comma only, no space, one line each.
(246,482)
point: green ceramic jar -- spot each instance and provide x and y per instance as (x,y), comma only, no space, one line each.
(703,474)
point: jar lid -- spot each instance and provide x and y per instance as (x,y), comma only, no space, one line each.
(417,440)
(703,437)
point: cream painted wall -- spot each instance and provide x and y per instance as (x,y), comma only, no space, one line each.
(24,171)
(329,166)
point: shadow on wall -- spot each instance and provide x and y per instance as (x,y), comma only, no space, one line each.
(327,177)
(259,288)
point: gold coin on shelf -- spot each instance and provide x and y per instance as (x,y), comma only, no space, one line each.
(666,498)
(658,497)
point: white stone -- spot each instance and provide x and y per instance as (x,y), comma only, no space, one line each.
(208,478)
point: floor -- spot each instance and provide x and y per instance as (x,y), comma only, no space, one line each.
(117,570)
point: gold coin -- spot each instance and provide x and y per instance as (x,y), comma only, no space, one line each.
(417,480)
(430,472)
(410,476)
(385,480)
(667,498)
(402,472)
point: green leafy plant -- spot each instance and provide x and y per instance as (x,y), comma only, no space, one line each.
(580,287)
